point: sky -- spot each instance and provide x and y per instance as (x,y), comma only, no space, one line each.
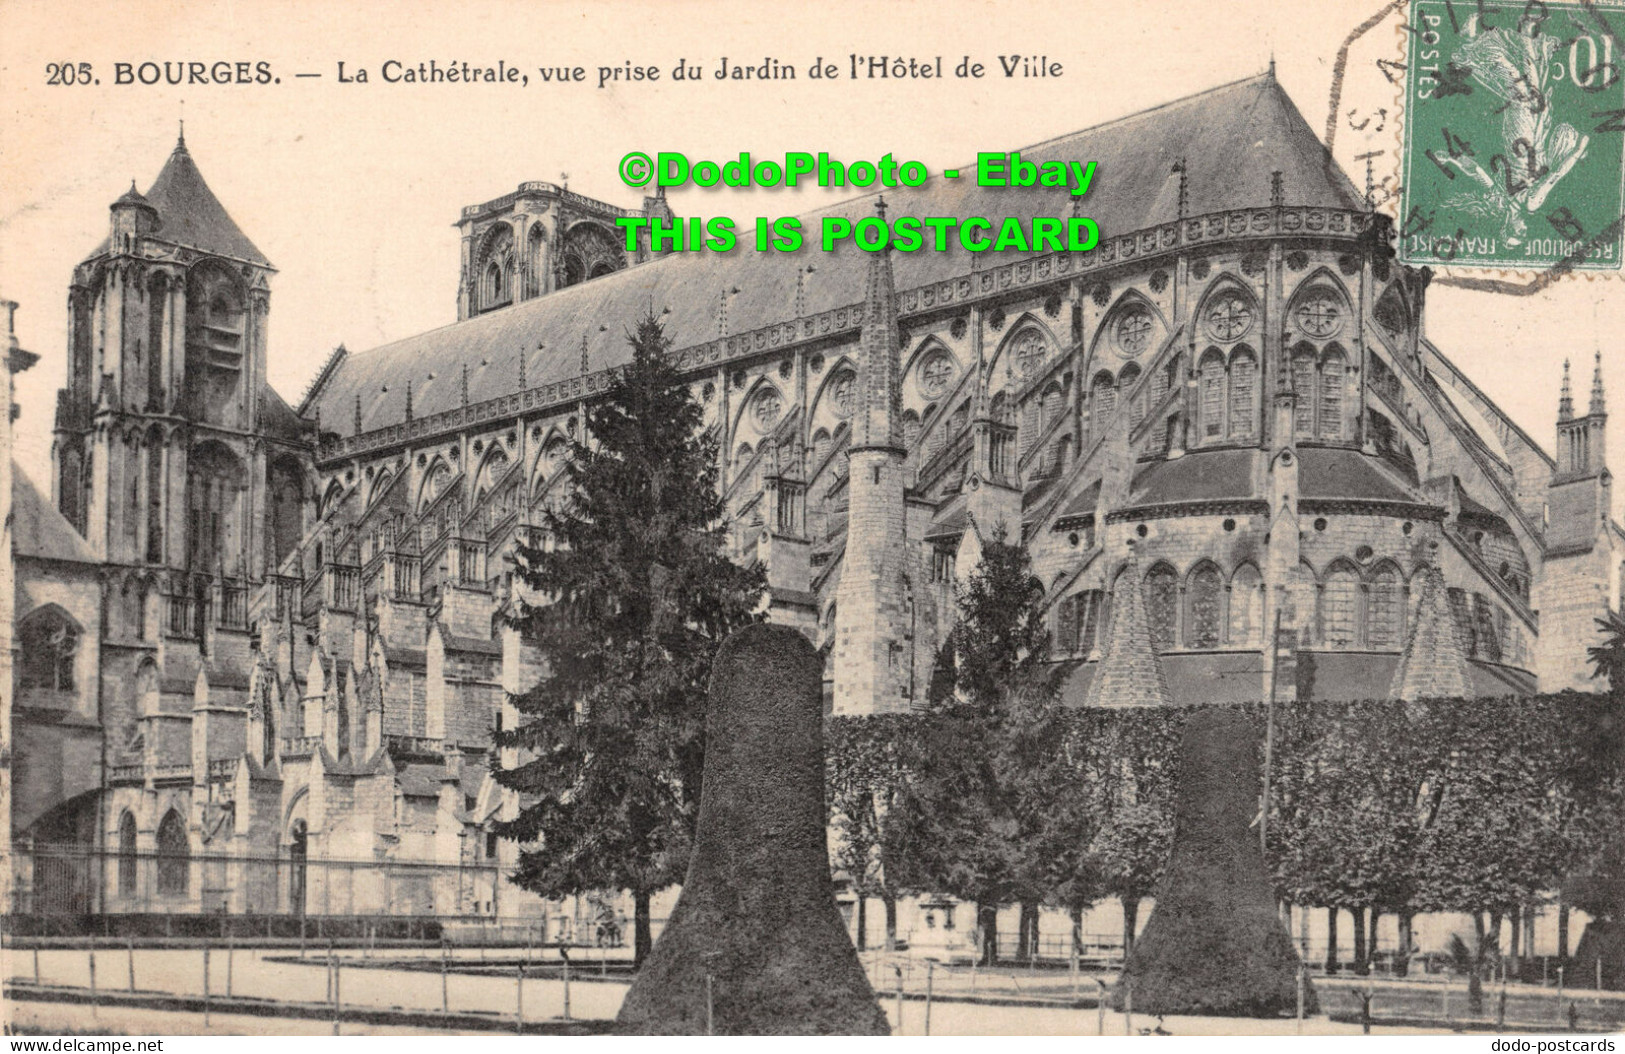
(352,190)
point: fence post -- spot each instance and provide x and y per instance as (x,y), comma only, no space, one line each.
(1301,979)
(338,995)
(564,953)
(130,947)
(1100,1007)
(1599,974)
(205,984)
(519,999)
(1128,1007)
(94,1002)
(1560,992)
(445,962)
(231,954)
(36,962)
(710,1007)
(930,975)
(899,971)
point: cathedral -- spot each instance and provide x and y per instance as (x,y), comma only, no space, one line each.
(260,651)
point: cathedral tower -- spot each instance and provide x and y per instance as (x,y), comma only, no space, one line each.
(1573,589)
(874,602)
(158,453)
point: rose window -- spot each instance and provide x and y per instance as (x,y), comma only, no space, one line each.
(768,406)
(1320,315)
(936,375)
(1229,318)
(1134,333)
(840,392)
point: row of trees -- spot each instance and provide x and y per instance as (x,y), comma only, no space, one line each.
(996,793)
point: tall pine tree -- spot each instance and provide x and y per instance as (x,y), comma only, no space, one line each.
(974,813)
(637,594)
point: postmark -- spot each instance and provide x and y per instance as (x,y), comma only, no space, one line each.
(1513,154)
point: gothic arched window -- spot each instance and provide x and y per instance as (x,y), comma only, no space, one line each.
(216,318)
(1333,371)
(155,496)
(174,853)
(1246,606)
(1162,605)
(216,482)
(1210,376)
(70,488)
(820,447)
(47,647)
(535,260)
(1303,388)
(1126,380)
(1243,392)
(157,300)
(1385,611)
(1103,398)
(1203,627)
(1340,607)
(126,855)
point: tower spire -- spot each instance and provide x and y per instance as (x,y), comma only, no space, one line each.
(1565,401)
(880,391)
(1599,403)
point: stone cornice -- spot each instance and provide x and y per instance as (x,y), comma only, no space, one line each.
(844,323)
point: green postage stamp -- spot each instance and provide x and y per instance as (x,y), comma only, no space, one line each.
(1514,135)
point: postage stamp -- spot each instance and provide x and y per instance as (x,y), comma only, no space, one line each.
(1514,140)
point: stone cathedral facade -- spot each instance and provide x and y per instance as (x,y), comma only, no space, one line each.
(263,631)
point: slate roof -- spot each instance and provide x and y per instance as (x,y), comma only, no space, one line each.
(1329,473)
(1203,475)
(1237,677)
(39,530)
(189,214)
(1228,136)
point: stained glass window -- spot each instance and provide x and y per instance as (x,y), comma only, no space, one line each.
(1105,398)
(1246,606)
(1162,605)
(1212,381)
(1339,608)
(1303,386)
(1243,386)
(173,854)
(1332,370)
(1384,612)
(1204,595)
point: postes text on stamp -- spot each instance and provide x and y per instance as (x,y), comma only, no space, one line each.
(1514,130)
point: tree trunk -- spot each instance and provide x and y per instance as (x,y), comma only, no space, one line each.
(891,920)
(1562,931)
(1028,938)
(1331,941)
(1402,954)
(1077,930)
(987,922)
(1131,914)
(1361,965)
(1516,954)
(642,938)
(1371,939)
(863,922)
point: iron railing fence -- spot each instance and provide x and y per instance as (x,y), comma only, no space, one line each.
(51,880)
